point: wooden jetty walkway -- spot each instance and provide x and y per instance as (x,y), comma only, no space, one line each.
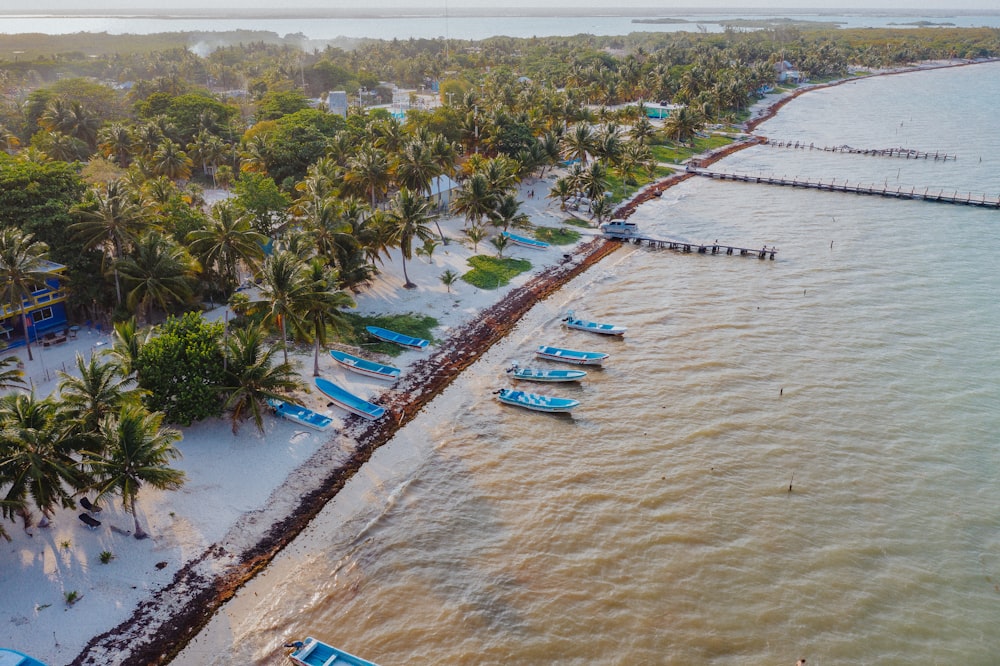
(687,247)
(964,199)
(902,153)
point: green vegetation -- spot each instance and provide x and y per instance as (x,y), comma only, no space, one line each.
(557,236)
(415,325)
(106,556)
(577,222)
(493,272)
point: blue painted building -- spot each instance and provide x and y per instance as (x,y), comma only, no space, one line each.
(45,310)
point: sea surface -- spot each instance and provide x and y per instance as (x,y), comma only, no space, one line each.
(464,27)
(782,459)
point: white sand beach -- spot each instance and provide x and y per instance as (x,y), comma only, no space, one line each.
(237,485)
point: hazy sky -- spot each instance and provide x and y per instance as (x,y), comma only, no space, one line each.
(666,6)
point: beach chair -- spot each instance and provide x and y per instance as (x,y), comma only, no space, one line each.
(89,506)
(92,523)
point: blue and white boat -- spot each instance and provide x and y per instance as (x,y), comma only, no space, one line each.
(571,355)
(11,657)
(364,367)
(300,415)
(392,336)
(571,321)
(525,241)
(313,652)
(544,374)
(539,403)
(347,400)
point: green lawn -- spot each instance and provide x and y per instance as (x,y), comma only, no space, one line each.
(419,326)
(560,236)
(677,153)
(492,273)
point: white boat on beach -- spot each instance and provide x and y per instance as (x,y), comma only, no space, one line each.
(571,355)
(544,374)
(536,402)
(363,366)
(571,321)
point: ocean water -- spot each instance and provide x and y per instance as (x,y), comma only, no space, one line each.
(462,27)
(784,459)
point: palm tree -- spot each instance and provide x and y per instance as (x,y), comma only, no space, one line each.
(252,376)
(579,144)
(508,213)
(321,305)
(171,161)
(409,217)
(448,278)
(368,170)
(228,240)
(500,243)
(159,272)
(94,393)
(115,143)
(110,217)
(282,289)
(23,268)
(37,462)
(11,378)
(135,449)
(474,199)
(127,341)
(682,125)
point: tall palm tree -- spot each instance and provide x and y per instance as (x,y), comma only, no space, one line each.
(228,240)
(171,161)
(37,462)
(127,341)
(474,199)
(252,376)
(283,286)
(135,449)
(579,143)
(93,393)
(409,217)
(115,143)
(23,268)
(368,170)
(159,272)
(321,305)
(508,213)
(110,217)
(11,378)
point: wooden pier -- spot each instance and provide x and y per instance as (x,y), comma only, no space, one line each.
(687,247)
(913,194)
(901,153)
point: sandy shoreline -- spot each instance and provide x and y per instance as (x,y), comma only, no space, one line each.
(204,564)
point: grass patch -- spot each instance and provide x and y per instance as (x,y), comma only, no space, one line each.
(492,273)
(578,222)
(677,153)
(418,326)
(560,236)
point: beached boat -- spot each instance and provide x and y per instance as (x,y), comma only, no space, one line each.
(524,241)
(313,652)
(539,403)
(544,374)
(594,327)
(364,366)
(300,415)
(398,338)
(571,355)
(11,657)
(347,400)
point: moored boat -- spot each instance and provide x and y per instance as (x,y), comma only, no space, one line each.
(363,366)
(539,403)
(524,241)
(544,374)
(313,652)
(386,335)
(571,355)
(347,400)
(571,321)
(11,657)
(298,414)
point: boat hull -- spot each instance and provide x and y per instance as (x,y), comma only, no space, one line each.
(317,653)
(571,356)
(523,241)
(300,415)
(386,335)
(538,375)
(536,402)
(347,400)
(364,367)
(11,657)
(592,326)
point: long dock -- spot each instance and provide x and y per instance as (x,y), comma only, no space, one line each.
(963,199)
(901,153)
(687,247)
